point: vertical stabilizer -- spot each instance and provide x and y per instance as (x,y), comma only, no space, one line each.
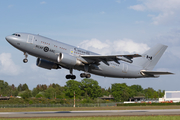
(150,58)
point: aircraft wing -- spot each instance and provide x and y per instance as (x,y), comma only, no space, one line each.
(154,73)
(106,58)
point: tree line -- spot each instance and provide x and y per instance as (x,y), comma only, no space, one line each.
(85,89)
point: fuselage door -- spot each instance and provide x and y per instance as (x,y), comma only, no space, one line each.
(125,68)
(30,39)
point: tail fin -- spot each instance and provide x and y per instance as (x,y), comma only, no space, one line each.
(150,58)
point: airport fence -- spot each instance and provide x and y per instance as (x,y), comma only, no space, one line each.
(58,105)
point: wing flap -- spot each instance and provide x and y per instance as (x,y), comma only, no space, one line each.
(99,58)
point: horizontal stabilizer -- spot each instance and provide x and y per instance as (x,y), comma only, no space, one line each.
(154,73)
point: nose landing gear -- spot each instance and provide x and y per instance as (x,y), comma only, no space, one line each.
(25,60)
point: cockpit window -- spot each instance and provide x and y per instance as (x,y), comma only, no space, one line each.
(17,35)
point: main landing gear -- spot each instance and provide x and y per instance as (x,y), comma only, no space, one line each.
(25,60)
(84,75)
(71,76)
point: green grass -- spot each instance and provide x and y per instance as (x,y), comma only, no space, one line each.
(104,118)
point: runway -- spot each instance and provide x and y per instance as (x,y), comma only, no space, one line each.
(90,113)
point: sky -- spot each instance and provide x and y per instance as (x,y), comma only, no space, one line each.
(102,26)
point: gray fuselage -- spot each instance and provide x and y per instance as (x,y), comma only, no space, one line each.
(48,49)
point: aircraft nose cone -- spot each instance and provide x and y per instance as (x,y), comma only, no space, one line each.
(9,39)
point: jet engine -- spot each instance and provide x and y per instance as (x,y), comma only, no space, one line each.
(68,60)
(46,64)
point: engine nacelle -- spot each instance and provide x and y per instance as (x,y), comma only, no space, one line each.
(68,60)
(46,64)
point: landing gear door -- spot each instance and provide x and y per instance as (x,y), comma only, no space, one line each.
(30,39)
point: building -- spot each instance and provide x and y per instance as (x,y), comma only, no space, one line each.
(137,98)
(172,96)
(110,97)
(4,98)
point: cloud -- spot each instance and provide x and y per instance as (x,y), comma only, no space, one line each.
(139,22)
(95,43)
(168,10)
(102,12)
(163,69)
(130,46)
(43,2)
(171,38)
(10,6)
(138,7)
(118,1)
(34,67)
(124,46)
(175,51)
(7,66)
(171,57)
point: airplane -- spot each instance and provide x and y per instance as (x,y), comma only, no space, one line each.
(52,54)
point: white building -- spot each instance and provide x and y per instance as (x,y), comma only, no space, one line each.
(172,96)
